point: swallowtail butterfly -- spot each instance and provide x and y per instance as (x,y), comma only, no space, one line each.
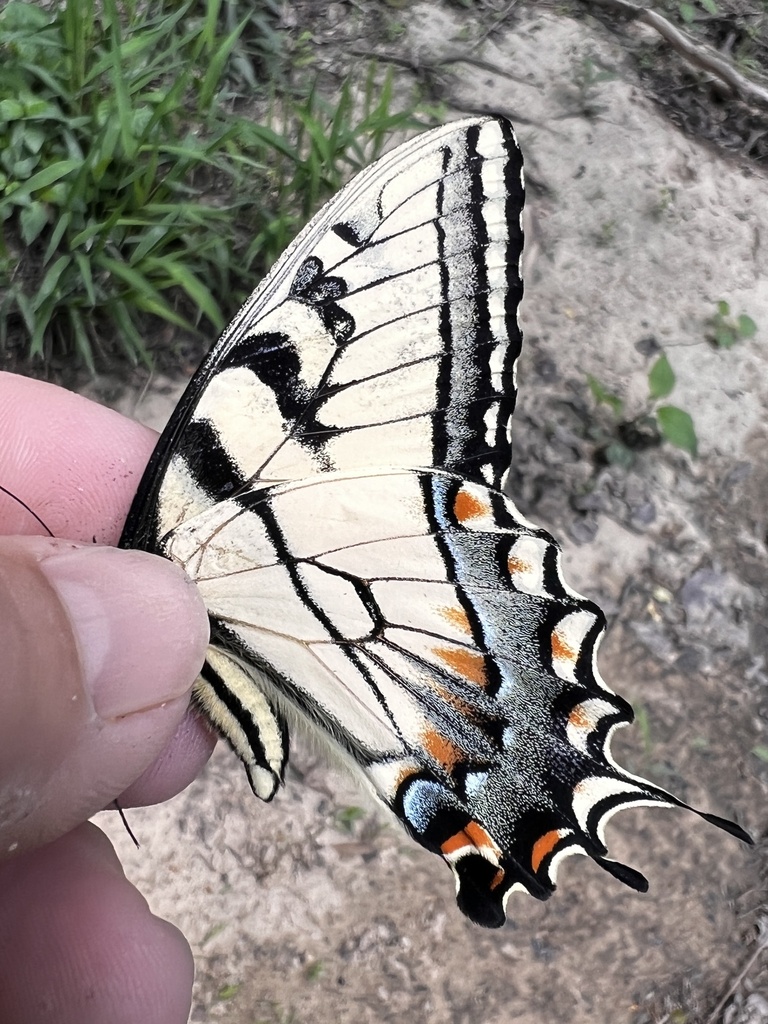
(333,480)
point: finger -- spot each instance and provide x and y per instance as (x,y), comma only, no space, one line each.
(100,649)
(79,945)
(178,764)
(74,463)
(77,465)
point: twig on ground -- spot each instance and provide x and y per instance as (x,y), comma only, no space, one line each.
(433,66)
(494,25)
(699,54)
(760,947)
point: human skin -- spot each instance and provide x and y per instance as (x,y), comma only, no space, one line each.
(100,648)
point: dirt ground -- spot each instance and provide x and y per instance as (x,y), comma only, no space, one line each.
(310,910)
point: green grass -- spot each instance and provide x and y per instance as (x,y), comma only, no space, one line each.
(135,181)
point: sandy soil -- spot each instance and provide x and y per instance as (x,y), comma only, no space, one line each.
(306,911)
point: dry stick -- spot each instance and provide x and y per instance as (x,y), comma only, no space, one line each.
(432,66)
(493,26)
(702,56)
(762,945)
(481,111)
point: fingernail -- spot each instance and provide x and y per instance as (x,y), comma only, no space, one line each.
(139,623)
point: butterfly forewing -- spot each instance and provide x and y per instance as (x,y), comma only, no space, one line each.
(386,335)
(333,482)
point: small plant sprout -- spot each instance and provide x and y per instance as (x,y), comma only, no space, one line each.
(675,425)
(588,75)
(620,444)
(604,397)
(725,330)
(314,970)
(347,818)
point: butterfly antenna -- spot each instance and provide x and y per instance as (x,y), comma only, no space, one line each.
(26,506)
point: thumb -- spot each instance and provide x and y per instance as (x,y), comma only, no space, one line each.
(99,649)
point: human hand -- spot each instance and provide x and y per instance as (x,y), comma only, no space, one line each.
(99,650)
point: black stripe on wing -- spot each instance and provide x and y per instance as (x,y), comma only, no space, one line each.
(466,385)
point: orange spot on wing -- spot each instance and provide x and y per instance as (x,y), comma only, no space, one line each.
(457,842)
(517,565)
(542,847)
(472,835)
(468,664)
(480,837)
(458,617)
(438,746)
(468,506)
(405,773)
(561,649)
(579,718)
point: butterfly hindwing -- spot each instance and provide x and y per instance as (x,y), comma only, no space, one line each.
(333,480)
(394,627)
(234,696)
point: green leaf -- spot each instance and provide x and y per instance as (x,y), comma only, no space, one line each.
(145,296)
(60,227)
(208,35)
(195,289)
(661,379)
(618,454)
(153,236)
(42,322)
(687,12)
(131,342)
(10,110)
(34,138)
(761,752)
(22,169)
(314,970)
(103,151)
(50,281)
(159,307)
(33,219)
(604,397)
(724,336)
(723,308)
(84,266)
(43,179)
(677,427)
(119,83)
(710,6)
(746,326)
(27,313)
(216,62)
(23,17)
(347,816)
(82,341)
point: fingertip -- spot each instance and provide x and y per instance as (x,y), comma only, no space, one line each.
(101,648)
(177,765)
(75,463)
(139,622)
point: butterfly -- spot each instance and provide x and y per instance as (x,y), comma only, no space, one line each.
(333,480)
